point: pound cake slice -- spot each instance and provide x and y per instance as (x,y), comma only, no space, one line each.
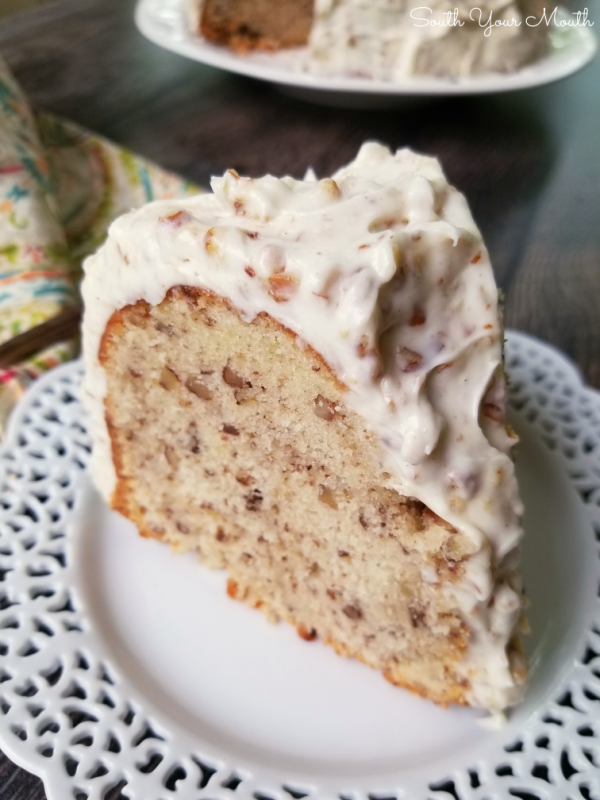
(302,381)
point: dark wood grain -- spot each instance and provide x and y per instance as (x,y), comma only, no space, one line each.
(528,161)
(57,329)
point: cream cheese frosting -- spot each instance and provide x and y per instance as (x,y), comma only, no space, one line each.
(389,39)
(381,269)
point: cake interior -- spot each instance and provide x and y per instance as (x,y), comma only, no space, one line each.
(257,24)
(232,439)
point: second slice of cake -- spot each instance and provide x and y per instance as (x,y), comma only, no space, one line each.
(302,380)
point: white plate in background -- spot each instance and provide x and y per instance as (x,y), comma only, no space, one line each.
(164,22)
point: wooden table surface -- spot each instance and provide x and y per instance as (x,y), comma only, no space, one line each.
(527,161)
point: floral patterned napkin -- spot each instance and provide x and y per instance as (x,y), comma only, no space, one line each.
(60,188)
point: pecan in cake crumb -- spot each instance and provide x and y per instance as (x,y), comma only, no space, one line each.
(352,612)
(198,388)
(232,378)
(230,429)
(168,379)
(324,408)
(254,500)
(417,615)
(326,496)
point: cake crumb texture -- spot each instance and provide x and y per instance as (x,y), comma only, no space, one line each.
(247,25)
(233,439)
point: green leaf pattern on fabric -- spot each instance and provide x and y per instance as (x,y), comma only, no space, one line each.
(60,188)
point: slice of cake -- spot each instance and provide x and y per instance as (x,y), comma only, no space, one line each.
(302,381)
(381,39)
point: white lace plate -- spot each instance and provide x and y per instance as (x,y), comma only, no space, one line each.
(121,664)
(165,23)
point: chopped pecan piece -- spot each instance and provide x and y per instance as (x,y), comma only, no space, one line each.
(232,378)
(326,496)
(330,187)
(172,456)
(324,408)
(209,243)
(198,388)
(254,500)
(418,317)
(363,347)
(175,220)
(417,615)
(408,360)
(168,379)
(306,634)
(352,611)
(282,287)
